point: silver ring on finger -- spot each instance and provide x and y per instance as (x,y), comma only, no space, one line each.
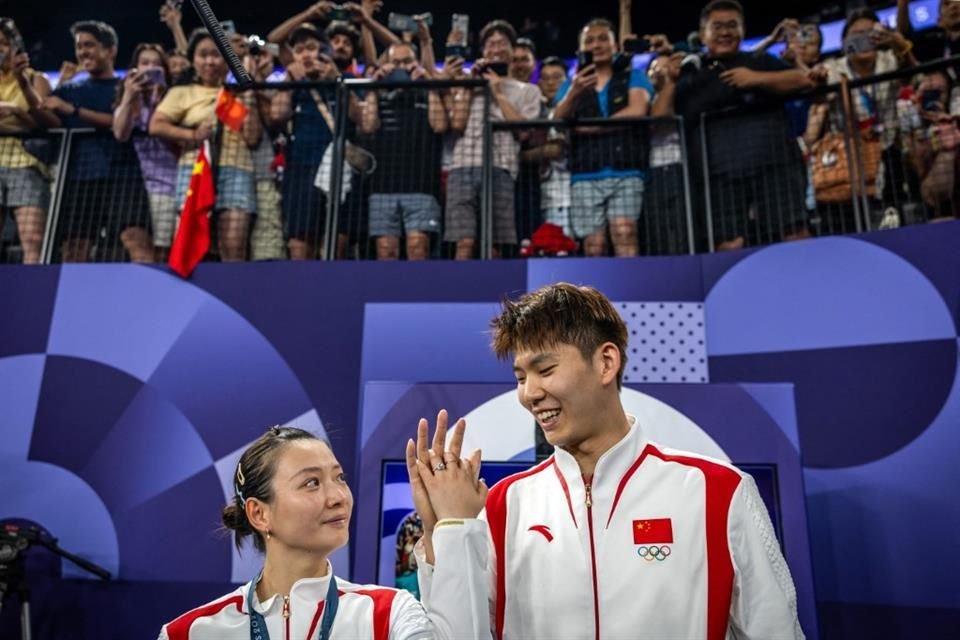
(440,466)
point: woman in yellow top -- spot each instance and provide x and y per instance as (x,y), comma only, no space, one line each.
(186,117)
(23,178)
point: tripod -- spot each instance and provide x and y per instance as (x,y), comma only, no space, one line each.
(15,541)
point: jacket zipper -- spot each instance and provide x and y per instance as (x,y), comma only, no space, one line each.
(286,614)
(588,485)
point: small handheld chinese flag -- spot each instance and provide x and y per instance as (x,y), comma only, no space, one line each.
(192,241)
(655,531)
(231,111)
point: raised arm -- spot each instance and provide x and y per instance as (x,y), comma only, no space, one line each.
(280,33)
(171,16)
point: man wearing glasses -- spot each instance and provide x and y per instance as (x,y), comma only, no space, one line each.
(756,172)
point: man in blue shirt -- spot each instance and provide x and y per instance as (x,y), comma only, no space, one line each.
(606,162)
(104,188)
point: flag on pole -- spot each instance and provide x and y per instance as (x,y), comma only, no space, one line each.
(231,111)
(192,240)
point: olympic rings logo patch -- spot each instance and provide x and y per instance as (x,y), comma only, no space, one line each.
(654,552)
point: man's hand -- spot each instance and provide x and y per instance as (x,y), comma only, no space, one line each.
(423,29)
(659,44)
(784,30)
(320,9)
(584,80)
(358,13)
(170,15)
(419,73)
(819,74)
(452,68)
(372,6)
(296,72)
(741,78)
(67,71)
(443,485)
(383,71)
(495,82)
(259,67)
(58,105)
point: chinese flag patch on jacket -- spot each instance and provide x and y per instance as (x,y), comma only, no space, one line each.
(653,531)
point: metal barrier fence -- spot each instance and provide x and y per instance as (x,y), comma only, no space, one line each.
(30,168)
(430,170)
(616,187)
(858,155)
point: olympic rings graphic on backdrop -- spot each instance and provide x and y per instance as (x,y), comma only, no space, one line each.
(654,552)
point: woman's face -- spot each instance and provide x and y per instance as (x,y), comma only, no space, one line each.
(178,64)
(209,65)
(6,52)
(861,28)
(150,61)
(312,502)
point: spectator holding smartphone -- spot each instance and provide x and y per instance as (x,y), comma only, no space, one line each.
(145,85)
(24,179)
(104,188)
(406,186)
(186,117)
(934,147)
(605,162)
(511,101)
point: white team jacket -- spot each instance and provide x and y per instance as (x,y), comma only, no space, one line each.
(364,611)
(669,545)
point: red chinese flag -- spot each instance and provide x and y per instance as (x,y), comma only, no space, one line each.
(232,112)
(654,531)
(192,241)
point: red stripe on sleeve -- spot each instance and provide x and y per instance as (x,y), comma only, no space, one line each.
(721,483)
(382,603)
(497,521)
(179,629)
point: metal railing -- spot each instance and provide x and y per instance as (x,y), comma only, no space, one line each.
(883,153)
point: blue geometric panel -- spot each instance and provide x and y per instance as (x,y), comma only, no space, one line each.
(667,342)
(835,292)
(126,316)
(28,296)
(857,404)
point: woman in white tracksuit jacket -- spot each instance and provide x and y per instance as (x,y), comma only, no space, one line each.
(291,496)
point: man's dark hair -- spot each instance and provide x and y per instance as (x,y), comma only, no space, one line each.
(339,28)
(502,27)
(526,43)
(101,31)
(305,31)
(412,45)
(859,14)
(719,5)
(554,61)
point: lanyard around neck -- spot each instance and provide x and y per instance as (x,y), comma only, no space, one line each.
(258,625)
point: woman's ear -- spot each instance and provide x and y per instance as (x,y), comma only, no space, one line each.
(258,514)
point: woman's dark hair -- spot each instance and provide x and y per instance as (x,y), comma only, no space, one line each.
(197,36)
(9,28)
(502,27)
(135,60)
(253,478)
(859,14)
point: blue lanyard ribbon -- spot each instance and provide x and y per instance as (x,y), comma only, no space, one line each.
(258,625)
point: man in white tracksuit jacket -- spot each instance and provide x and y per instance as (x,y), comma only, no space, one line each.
(613,536)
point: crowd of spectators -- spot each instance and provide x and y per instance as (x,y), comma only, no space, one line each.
(743,140)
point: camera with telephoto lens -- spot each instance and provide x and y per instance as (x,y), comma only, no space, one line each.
(257,46)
